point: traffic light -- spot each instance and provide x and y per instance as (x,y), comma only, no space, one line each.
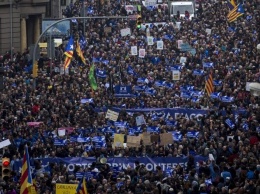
(35,70)
(6,168)
(139,21)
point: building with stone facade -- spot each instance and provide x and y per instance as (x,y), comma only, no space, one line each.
(20,21)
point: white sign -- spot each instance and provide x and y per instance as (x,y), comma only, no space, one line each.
(61,132)
(130,9)
(179,42)
(150,2)
(125,32)
(208,31)
(150,40)
(160,45)
(176,75)
(178,25)
(141,53)
(5,143)
(133,50)
(183,60)
(247,86)
(140,120)
(112,115)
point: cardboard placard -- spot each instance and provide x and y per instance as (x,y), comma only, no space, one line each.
(176,75)
(112,115)
(146,139)
(166,138)
(141,53)
(107,29)
(118,140)
(133,141)
(154,138)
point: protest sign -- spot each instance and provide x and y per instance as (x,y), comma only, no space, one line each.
(141,53)
(150,40)
(146,139)
(140,120)
(133,50)
(118,140)
(176,75)
(112,115)
(160,45)
(166,138)
(133,141)
(125,31)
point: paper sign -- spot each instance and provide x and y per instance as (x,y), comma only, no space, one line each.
(140,120)
(5,143)
(176,75)
(150,40)
(141,53)
(183,60)
(118,140)
(160,45)
(112,115)
(125,32)
(146,139)
(133,50)
(66,188)
(179,42)
(154,138)
(133,141)
(211,157)
(178,25)
(208,31)
(62,132)
(69,130)
(107,29)
(166,138)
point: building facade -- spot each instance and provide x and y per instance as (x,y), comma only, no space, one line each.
(20,21)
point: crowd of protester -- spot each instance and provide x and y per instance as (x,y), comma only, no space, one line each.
(56,101)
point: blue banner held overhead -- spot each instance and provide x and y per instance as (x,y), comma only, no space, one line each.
(150,162)
(124,91)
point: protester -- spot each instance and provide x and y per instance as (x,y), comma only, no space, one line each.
(224,128)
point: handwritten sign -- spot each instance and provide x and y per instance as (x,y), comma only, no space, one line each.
(133,141)
(125,32)
(166,138)
(112,115)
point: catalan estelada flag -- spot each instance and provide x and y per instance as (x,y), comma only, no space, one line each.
(26,177)
(79,53)
(209,87)
(82,188)
(69,52)
(231,4)
(235,13)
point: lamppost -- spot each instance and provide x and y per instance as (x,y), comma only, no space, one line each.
(11,29)
(65,19)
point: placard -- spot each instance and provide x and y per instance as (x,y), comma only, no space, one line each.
(5,143)
(150,40)
(150,2)
(183,60)
(66,188)
(61,132)
(133,141)
(146,139)
(179,42)
(112,115)
(140,120)
(118,140)
(141,53)
(133,50)
(125,31)
(160,45)
(176,75)
(107,29)
(166,138)
(208,31)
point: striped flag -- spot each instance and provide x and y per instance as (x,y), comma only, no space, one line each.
(69,52)
(209,84)
(235,13)
(79,53)
(231,4)
(26,176)
(82,189)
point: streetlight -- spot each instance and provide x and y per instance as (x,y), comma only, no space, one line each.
(65,19)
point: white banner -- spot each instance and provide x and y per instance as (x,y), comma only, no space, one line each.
(150,2)
(112,115)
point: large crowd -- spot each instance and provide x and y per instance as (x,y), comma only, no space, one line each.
(229,49)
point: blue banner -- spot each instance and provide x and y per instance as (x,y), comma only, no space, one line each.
(123,91)
(149,162)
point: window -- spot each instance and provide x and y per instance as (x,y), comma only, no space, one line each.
(63,2)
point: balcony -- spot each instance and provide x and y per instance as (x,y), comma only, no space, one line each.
(39,1)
